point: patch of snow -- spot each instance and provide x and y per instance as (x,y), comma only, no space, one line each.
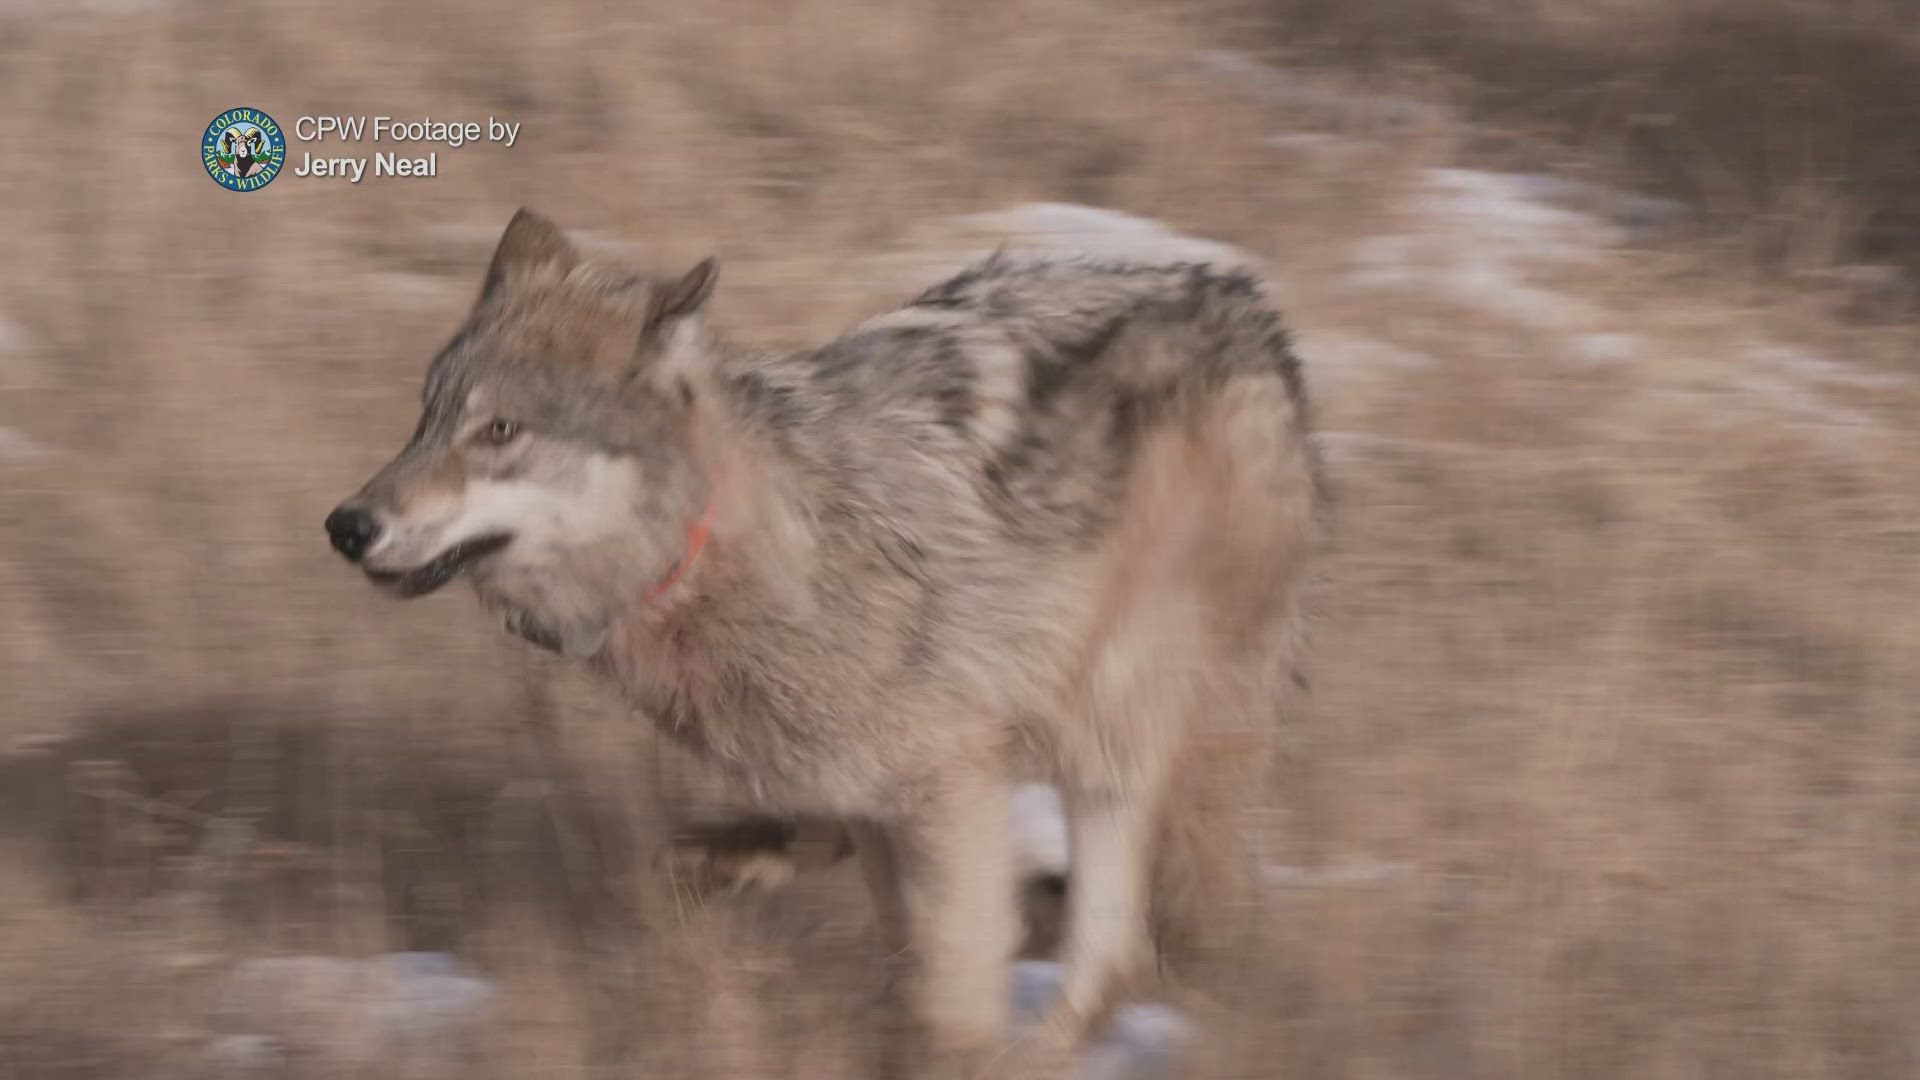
(1035,982)
(1571,214)
(421,1008)
(1535,198)
(1140,1042)
(1479,237)
(1637,216)
(1457,271)
(1505,210)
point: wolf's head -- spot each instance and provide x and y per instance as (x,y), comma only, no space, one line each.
(554,461)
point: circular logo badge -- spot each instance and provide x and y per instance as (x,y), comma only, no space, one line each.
(243,149)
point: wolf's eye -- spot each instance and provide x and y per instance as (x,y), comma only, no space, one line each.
(500,432)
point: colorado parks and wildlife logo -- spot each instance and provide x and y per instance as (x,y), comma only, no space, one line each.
(243,149)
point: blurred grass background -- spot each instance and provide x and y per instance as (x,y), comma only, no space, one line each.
(1612,767)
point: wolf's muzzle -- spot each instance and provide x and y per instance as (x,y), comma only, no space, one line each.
(352,531)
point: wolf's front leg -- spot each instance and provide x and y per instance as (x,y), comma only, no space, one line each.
(959,905)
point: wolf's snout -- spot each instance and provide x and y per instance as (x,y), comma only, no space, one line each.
(352,530)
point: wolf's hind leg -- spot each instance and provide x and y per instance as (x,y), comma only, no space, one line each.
(1111,826)
(1106,940)
(959,903)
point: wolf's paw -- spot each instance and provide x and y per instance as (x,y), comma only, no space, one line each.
(1138,1041)
(752,855)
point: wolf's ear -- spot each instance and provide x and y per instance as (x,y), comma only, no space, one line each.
(674,343)
(685,296)
(530,244)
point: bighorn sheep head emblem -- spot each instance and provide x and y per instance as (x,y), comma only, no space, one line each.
(244,149)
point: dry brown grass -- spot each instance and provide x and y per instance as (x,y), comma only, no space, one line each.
(1614,670)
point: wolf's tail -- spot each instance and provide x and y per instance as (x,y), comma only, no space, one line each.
(1207,888)
(1266,530)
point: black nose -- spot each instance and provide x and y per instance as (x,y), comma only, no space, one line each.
(352,530)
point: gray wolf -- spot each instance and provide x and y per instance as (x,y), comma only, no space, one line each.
(1048,521)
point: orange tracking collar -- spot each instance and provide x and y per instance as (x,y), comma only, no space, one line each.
(697,534)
